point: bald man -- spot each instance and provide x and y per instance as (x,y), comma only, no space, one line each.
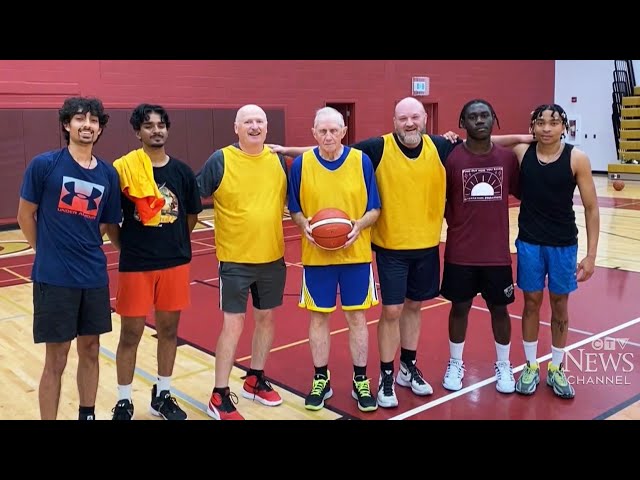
(248,184)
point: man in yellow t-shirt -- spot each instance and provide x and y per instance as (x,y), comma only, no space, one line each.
(248,184)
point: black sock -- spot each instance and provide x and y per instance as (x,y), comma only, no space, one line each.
(360,371)
(221,390)
(86,413)
(257,373)
(322,371)
(386,366)
(408,357)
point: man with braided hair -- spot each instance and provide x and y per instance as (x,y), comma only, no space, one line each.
(480,177)
(547,241)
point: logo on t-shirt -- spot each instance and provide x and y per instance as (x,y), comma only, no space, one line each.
(170,211)
(78,197)
(482,184)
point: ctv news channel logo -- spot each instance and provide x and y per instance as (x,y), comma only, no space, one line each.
(606,361)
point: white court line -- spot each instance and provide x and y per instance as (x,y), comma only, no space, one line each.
(571,329)
(487,381)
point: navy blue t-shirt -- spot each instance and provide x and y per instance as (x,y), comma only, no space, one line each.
(72,203)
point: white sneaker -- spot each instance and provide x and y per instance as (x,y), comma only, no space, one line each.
(411,376)
(504,374)
(454,375)
(387,390)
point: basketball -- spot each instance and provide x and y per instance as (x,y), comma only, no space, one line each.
(618,185)
(330,227)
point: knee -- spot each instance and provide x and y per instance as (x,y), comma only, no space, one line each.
(532,303)
(89,347)
(412,306)
(559,303)
(391,313)
(461,309)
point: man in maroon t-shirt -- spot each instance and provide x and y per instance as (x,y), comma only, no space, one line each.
(480,177)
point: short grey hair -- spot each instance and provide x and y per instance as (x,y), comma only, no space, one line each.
(331,113)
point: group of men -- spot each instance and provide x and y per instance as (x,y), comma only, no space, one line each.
(397,188)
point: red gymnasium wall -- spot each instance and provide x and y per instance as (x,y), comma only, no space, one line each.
(201,97)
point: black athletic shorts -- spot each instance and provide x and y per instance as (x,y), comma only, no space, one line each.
(414,275)
(264,280)
(460,283)
(61,314)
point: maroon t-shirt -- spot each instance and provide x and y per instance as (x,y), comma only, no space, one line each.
(477,208)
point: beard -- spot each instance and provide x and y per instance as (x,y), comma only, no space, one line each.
(411,138)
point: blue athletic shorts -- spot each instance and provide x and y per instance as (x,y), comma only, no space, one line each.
(536,262)
(320,287)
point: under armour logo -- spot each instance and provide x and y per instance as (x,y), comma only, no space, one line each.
(90,199)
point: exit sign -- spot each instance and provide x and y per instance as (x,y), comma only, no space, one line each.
(420,86)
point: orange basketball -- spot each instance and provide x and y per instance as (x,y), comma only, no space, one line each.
(330,227)
(618,185)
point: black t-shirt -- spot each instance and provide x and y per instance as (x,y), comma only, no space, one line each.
(167,245)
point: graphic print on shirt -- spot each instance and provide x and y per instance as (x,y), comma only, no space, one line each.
(78,197)
(482,184)
(169,213)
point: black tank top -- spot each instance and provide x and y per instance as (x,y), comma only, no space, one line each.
(546,207)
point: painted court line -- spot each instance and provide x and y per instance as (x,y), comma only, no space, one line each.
(487,381)
(571,329)
(152,379)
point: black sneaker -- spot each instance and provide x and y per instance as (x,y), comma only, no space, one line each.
(165,405)
(320,391)
(123,410)
(362,393)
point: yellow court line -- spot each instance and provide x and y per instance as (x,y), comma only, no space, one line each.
(202,243)
(8,270)
(342,330)
(191,374)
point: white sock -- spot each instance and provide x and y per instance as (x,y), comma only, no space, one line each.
(531,351)
(557,356)
(164,383)
(502,352)
(124,392)
(456,349)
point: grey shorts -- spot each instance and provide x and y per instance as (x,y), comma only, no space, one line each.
(264,280)
(60,314)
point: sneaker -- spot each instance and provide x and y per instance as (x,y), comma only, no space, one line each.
(387,390)
(505,383)
(123,410)
(411,376)
(320,391)
(362,393)
(453,376)
(258,388)
(165,406)
(221,407)
(558,381)
(529,379)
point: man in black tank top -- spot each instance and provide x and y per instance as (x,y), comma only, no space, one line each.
(547,241)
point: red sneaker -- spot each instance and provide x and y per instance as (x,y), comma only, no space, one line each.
(258,388)
(221,407)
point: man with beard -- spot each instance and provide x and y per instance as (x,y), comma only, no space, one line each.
(69,198)
(480,177)
(155,256)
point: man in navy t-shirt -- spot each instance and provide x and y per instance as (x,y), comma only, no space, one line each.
(69,198)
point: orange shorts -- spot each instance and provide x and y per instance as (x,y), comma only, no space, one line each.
(167,290)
